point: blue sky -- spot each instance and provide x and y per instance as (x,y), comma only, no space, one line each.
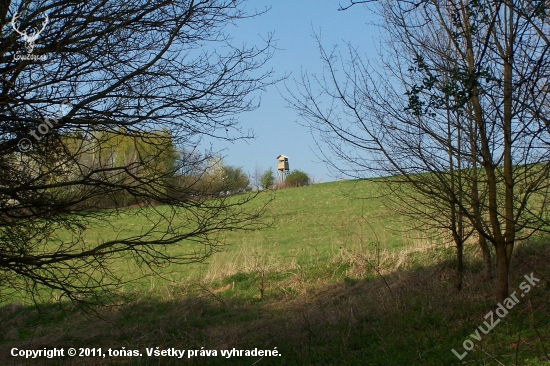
(293,23)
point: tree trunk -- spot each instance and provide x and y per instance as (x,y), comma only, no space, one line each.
(501,292)
(476,209)
(459,265)
(487,270)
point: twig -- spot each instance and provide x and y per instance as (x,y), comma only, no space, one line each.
(493,357)
(217,298)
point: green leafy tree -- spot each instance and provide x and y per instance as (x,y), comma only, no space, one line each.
(235,179)
(267,179)
(221,179)
(297,178)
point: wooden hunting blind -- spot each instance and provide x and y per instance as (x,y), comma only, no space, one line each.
(282,162)
(282,168)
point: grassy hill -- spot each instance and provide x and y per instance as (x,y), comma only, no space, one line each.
(315,224)
(309,225)
(337,280)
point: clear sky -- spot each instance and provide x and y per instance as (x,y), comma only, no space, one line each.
(276,126)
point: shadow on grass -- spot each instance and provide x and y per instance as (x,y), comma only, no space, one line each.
(333,314)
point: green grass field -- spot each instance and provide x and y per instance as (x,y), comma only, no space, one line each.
(336,280)
(309,225)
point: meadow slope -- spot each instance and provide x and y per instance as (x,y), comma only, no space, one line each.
(335,281)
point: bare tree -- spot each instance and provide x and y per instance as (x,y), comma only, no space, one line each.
(451,119)
(105,76)
(256,177)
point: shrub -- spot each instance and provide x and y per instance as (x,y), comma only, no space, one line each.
(296,179)
(267,179)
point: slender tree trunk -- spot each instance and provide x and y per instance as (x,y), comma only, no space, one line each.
(502,272)
(456,189)
(508,168)
(488,275)
(492,182)
(459,265)
(487,270)
(510,226)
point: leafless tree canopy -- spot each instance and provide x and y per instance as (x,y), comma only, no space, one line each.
(109,110)
(453,116)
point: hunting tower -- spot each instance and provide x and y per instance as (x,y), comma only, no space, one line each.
(282,168)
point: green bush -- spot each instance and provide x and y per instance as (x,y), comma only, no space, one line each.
(296,179)
(267,179)
(234,179)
